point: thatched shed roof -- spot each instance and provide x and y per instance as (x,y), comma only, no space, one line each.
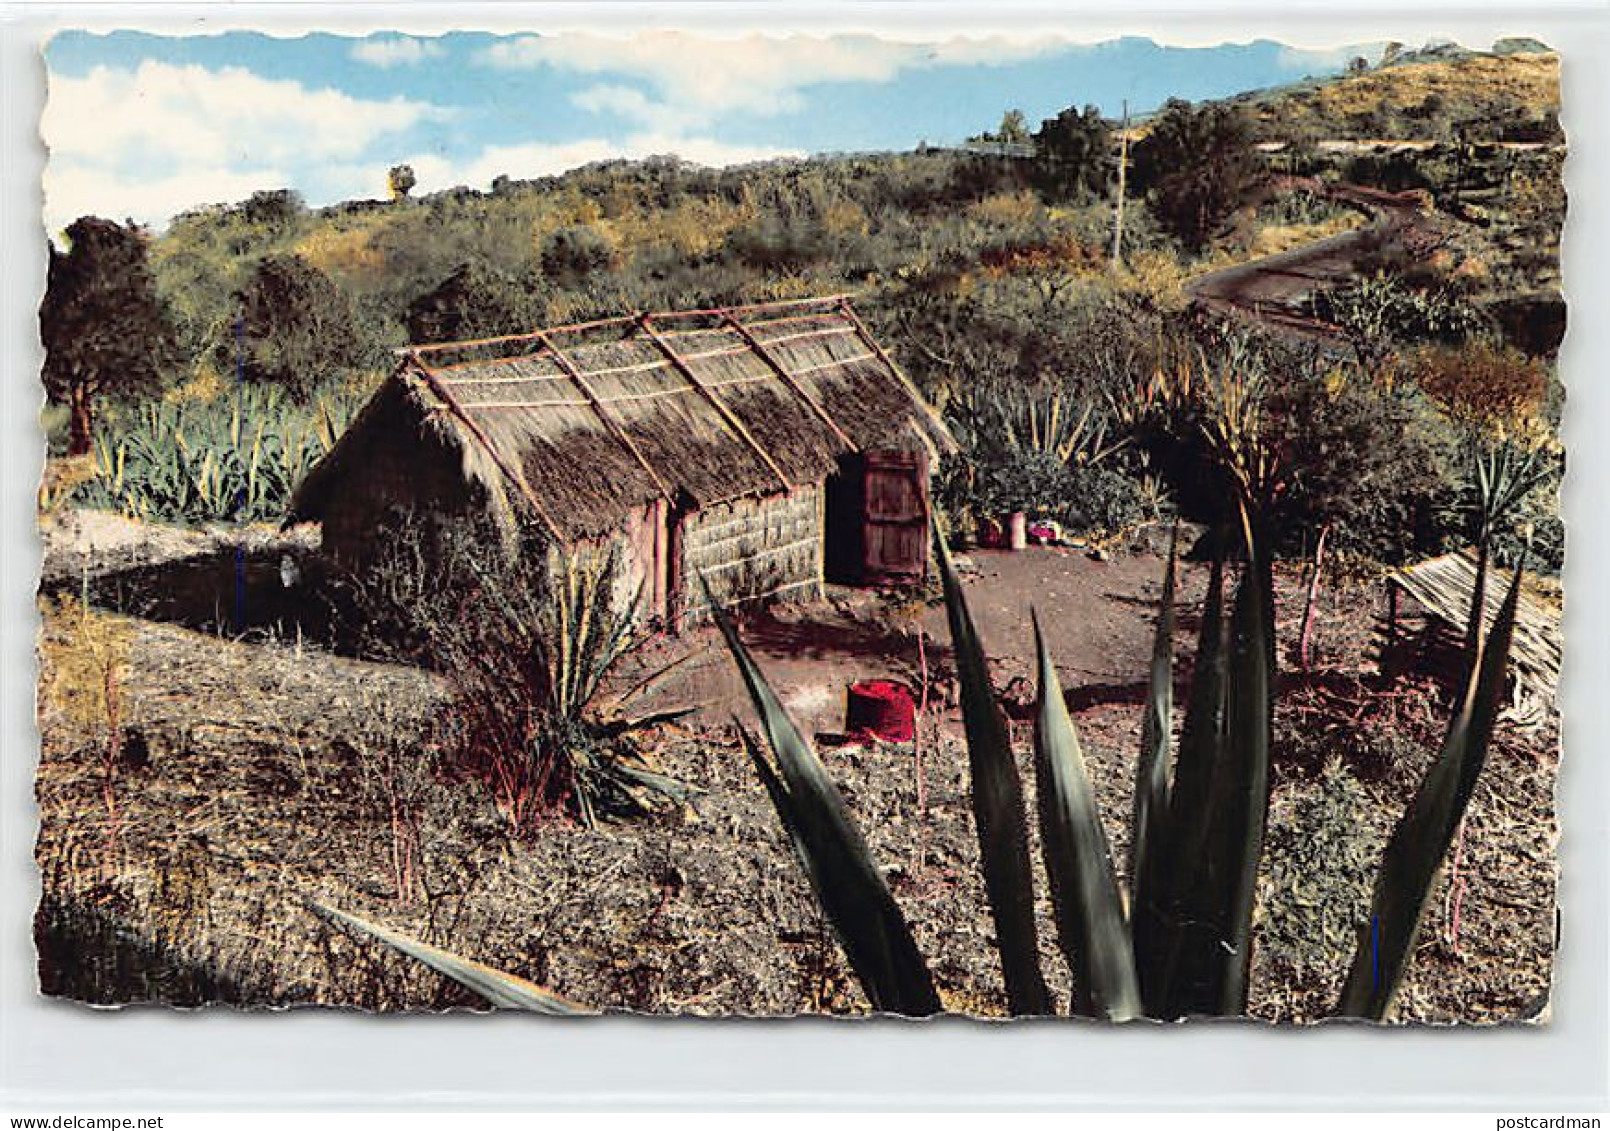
(584,424)
(1444,587)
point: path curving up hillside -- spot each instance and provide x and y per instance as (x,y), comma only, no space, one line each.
(1274,291)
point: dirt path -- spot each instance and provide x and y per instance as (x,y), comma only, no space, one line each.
(1274,290)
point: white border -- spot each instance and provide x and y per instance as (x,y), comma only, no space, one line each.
(56,1056)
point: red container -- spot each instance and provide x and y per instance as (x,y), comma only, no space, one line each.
(883,709)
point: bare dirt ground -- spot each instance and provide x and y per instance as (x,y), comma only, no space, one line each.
(251,777)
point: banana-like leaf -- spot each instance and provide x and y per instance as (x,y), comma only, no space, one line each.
(504,990)
(1003,839)
(1078,861)
(851,889)
(1414,856)
(1152,770)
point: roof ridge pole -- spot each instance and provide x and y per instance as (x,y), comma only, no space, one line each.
(485,441)
(612,426)
(726,414)
(787,378)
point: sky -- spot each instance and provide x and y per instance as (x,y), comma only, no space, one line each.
(142,127)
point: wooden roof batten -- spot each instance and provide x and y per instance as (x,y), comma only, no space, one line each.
(623,320)
(787,378)
(646,323)
(453,406)
(611,425)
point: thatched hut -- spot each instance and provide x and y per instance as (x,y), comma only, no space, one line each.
(758,446)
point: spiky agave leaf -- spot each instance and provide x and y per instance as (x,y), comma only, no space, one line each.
(1222,797)
(1165,928)
(504,990)
(1078,861)
(851,889)
(1241,792)
(1003,839)
(1414,856)
(1151,772)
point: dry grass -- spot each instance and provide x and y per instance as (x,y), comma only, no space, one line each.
(270,775)
(1272,239)
(1466,88)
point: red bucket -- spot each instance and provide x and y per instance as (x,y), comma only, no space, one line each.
(883,709)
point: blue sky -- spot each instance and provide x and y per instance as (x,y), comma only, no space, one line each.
(145,126)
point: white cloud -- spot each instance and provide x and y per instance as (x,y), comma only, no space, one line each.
(73,190)
(396,52)
(701,77)
(1312,60)
(540,159)
(150,141)
(629,102)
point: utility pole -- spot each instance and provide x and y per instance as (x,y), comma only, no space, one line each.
(1123,174)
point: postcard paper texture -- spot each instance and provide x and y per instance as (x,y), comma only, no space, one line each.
(782,525)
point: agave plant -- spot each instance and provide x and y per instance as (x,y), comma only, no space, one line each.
(1182,944)
(504,990)
(240,457)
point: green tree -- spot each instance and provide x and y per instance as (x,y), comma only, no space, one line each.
(1199,165)
(401,181)
(104,327)
(473,302)
(297,327)
(1074,153)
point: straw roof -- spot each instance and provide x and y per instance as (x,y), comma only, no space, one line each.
(585,424)
(1444,587)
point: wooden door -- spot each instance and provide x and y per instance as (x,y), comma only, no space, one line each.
(894,522)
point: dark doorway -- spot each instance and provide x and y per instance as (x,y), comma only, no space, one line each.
(877,519)
(841,535)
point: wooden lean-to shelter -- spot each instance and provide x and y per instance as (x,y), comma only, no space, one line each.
(1444,588)
(758,446)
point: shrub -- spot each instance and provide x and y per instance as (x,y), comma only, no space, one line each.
(1306,446)
(475,301)
(1487,386)
(526,640)
(1317,879)
(297,329)
(1385,312)
(1198,165)
(575,253)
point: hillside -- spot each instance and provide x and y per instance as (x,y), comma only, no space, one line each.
(1428,96)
